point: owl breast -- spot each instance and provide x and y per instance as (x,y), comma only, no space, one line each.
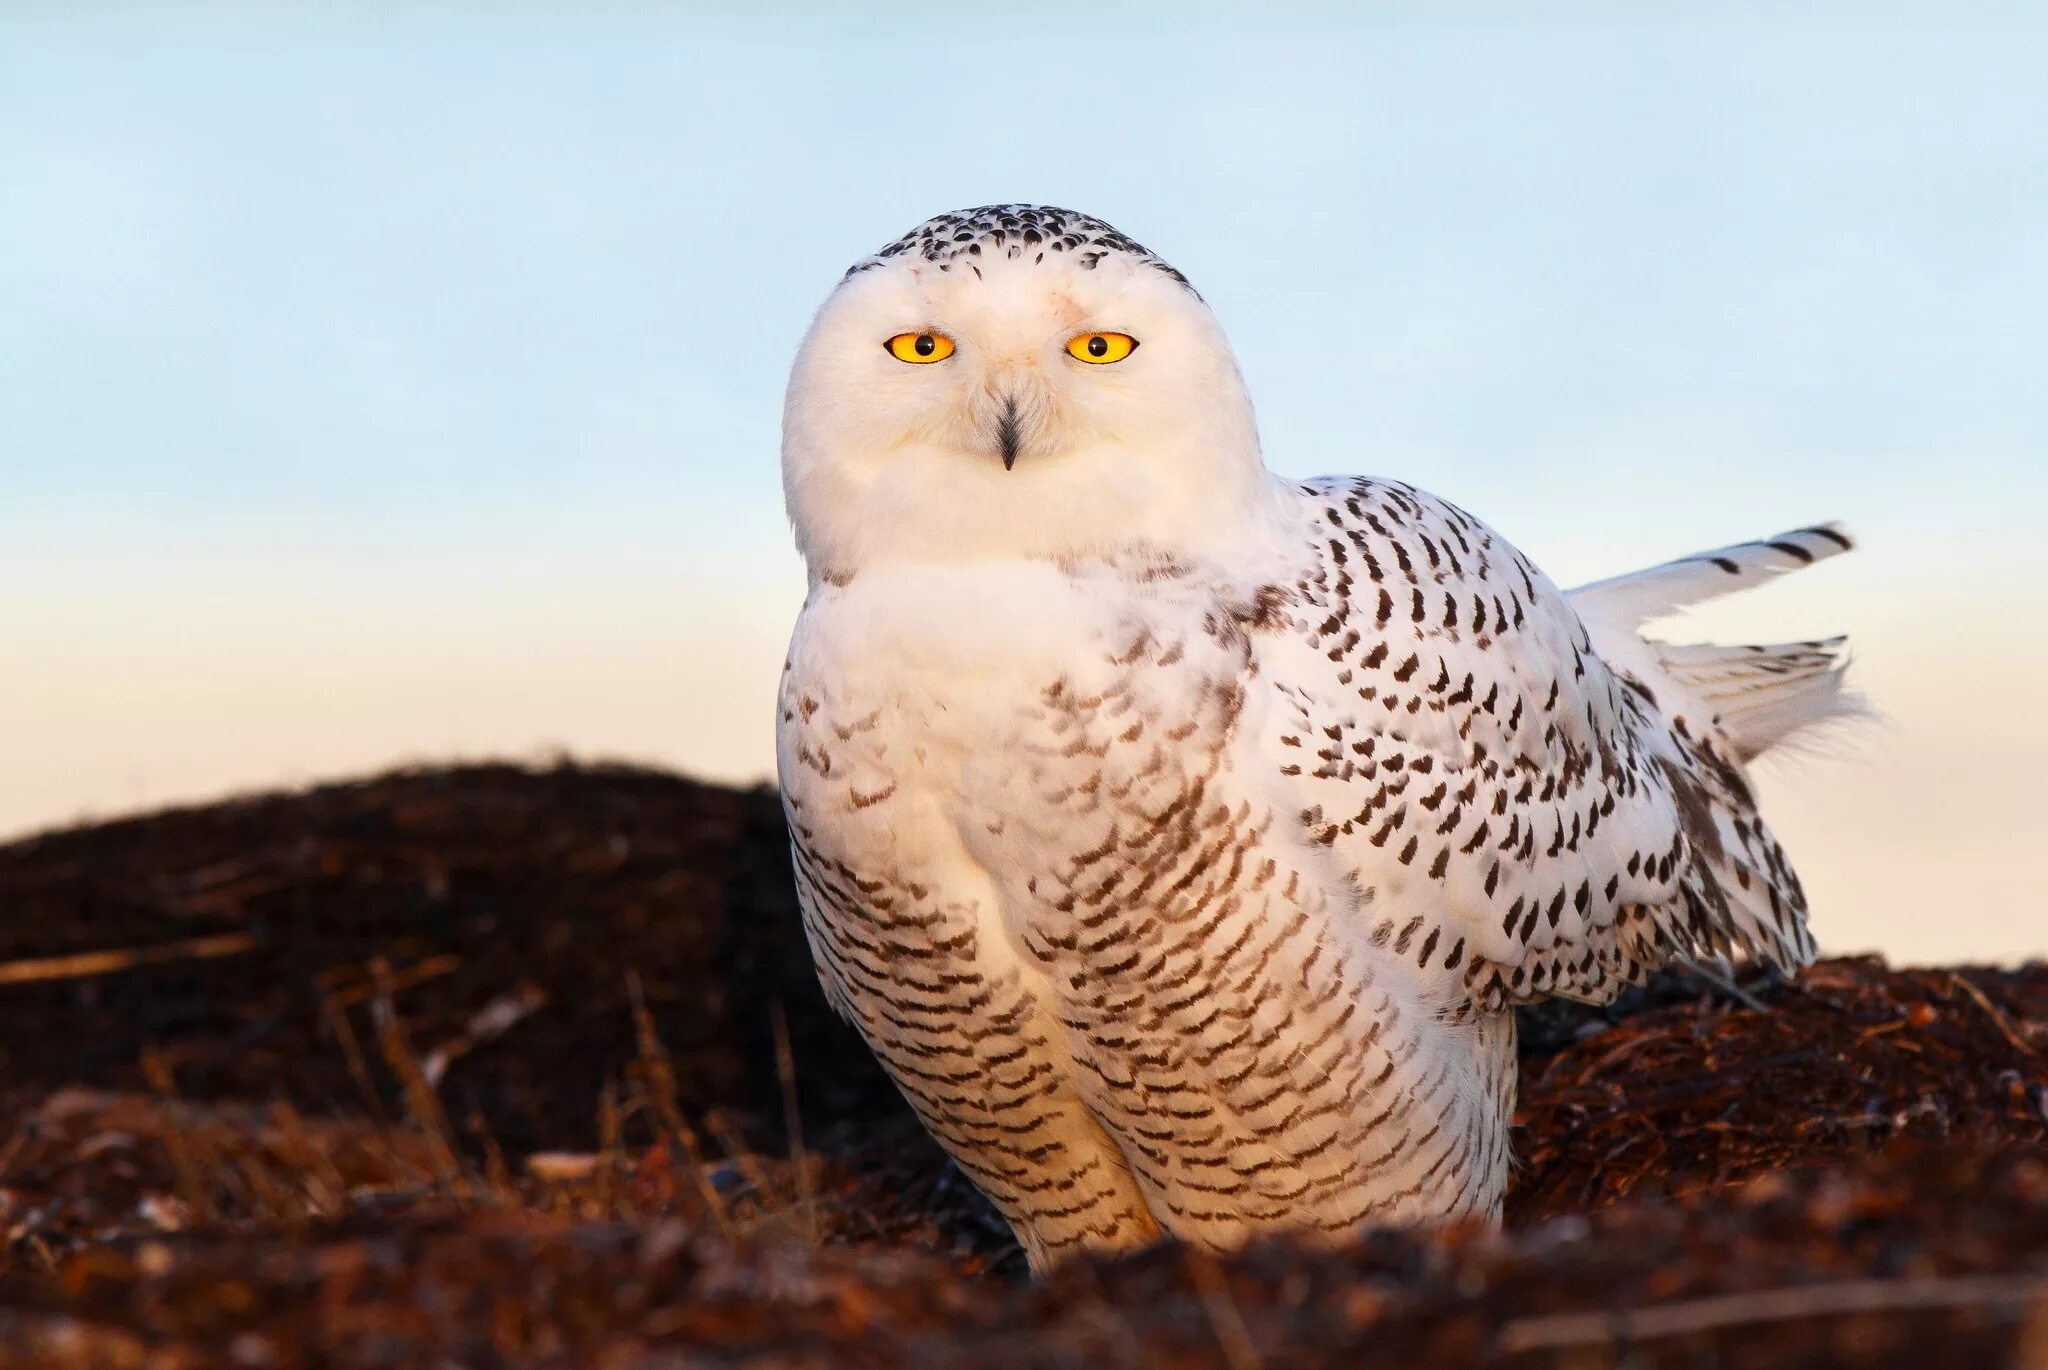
(1060,902)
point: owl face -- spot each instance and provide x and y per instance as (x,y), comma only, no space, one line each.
(1009,381)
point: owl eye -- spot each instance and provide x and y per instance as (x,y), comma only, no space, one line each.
(920,349)
(1100,349)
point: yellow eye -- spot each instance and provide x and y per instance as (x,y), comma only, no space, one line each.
(1100,349)
(920,348)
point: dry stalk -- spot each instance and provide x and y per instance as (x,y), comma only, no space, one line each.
(89,963)
(485,1026)
(799,1162)
(1226,1319)
(1998,1020)
(192,1188)
(611,1128)
(352,1052)
(496,1173)
(326,1188)
(658,1071)
(422,1104)
(365,988)
(274,1193)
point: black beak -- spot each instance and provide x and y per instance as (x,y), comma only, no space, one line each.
(1008,433)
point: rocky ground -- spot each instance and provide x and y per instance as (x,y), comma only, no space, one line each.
(496,1065)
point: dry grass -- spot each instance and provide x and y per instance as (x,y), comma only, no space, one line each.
(668,1152)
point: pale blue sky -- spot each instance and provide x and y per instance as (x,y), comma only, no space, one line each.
(406,382)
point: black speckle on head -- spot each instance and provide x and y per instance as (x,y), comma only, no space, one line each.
(964,232)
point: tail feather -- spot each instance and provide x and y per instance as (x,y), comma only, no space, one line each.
(1640,596)
(1760,694)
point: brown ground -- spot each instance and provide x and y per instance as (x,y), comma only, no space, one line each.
(481,1066)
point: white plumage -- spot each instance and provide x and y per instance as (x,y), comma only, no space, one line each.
(1178,836)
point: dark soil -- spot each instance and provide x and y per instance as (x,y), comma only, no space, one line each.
(481,1066)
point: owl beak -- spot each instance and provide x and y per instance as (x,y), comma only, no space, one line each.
(1009,432)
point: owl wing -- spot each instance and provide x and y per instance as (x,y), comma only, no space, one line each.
(1521,817)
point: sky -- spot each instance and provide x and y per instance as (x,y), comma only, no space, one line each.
(403,384)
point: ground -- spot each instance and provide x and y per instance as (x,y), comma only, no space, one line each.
(499,1065)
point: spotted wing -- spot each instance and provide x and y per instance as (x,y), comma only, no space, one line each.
(1520,817)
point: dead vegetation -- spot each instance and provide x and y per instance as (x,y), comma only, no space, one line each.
(494,1065)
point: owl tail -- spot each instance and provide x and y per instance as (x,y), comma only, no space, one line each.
(1762,695)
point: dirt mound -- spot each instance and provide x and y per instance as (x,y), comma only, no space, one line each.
(494,1063)
(506,908)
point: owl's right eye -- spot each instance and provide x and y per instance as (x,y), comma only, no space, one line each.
(919,349)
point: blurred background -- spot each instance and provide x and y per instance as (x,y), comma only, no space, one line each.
(405,385)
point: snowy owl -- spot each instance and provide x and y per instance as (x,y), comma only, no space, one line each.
(1179,836)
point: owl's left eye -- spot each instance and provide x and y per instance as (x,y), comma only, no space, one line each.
(920,349)
(1100,349)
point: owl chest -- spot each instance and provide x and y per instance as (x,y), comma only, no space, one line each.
(984,685)
(1002,738)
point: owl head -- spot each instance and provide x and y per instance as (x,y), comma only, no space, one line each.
(1015,381)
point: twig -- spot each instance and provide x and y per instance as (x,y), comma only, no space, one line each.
(15,1143)
(352,1052)
(422,1104)
(401,980)
(486,1025)
(785,1066)
(192,1189)
(563,1167)
(317,1168)
(497,1174)
(1716,1313)
(659,1076)
(89,963)
(1998,1020)
(1727,986)
(1226,1319)
(611,1149)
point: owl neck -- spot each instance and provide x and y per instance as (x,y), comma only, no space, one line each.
(943,509)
